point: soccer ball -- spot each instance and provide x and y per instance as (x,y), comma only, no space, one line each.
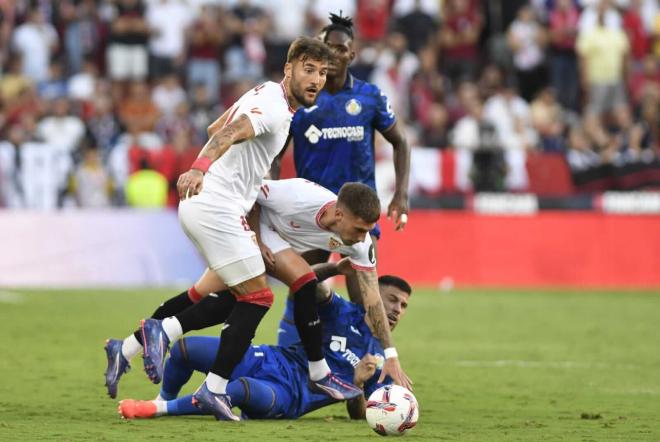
(392,410)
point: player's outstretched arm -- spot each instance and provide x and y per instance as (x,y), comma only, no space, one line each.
(365,369)
(373,305)
(398,208)
(190,183)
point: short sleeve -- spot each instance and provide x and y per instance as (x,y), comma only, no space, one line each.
(384,117)
(364,255)
(267,113)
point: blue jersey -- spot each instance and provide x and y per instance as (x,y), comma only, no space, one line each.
(333,141)
(346,339)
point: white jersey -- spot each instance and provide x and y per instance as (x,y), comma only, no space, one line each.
(290,214)
(234,179)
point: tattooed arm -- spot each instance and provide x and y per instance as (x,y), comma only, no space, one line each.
(190,183)
(380,327)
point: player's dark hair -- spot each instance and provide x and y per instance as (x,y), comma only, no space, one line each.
(303,48)
(361,200)
(395,281)
(338,23)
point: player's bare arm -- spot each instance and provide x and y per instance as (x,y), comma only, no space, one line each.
(364,370)
(218,123)
(399,205)
(190,183)
(377,319)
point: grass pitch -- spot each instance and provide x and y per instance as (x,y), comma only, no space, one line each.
(487,365)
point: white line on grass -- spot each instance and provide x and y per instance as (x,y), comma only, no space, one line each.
(11,297)
(545,364)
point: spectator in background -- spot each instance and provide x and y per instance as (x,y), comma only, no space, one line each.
(36,40)
(202,113)
(285,26)
(512,119)
(564,77)
(371,19)
(638,39)
(62,128)
(426,88)
(168,94)
(394,71)
(645,82)
(168,21)
(138,111)
(589,18)
(146,189)
(91,182)
(417,26)
(580,155)
(435,133)
(127,57)
(548,121)
(603,58)
(55,85)
(526,39)
(83,34)
(13,81)
(459,39)
(83,86)
(103,124)
(246,53)
(205,39)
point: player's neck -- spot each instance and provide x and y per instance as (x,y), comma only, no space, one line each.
(327,219)
(336,83)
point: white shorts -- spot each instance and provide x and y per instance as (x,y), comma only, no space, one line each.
(127,62)
(224,239)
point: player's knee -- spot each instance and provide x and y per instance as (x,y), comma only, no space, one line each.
(263,298)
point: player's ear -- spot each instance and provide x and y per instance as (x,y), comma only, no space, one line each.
(288,68)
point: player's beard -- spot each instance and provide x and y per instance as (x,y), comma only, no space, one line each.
(298,93)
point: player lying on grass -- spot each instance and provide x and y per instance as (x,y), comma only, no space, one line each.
(271,381)
(295,216)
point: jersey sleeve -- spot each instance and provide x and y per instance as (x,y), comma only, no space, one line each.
(364,255)
(267,112)
(275,194)
(384,116)
(372,384)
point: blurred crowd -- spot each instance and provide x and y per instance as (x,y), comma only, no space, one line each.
(106,102)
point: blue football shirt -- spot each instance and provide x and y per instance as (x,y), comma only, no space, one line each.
(334,139)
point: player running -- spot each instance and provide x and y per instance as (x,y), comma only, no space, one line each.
(295,216)
(217,194)
(271,382)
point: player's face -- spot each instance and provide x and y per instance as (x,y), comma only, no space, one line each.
(307,79)
(351,228)
(395,302)
(341,46)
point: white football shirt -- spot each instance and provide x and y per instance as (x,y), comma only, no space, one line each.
(236,176)
(292,208)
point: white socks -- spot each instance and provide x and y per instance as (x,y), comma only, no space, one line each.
(318,369)
(161,407)
(172,328)
(216,384)
(131,347)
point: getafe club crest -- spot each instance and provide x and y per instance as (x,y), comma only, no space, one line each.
(353,107)
(334,244)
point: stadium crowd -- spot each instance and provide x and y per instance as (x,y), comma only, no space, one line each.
(105,102)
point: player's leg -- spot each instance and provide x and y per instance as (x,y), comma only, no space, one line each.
(120,352)
(296,273)
(258,398)
(352,285)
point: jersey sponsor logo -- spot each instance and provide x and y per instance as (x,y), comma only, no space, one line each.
(350,133)
(255,110)
(310,109)
(334,244)
(338,344)
(353,107)
(313,134)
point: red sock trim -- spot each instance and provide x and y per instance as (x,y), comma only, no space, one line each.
(263,298)
(304,279)
(194,295)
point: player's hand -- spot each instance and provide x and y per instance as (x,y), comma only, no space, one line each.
(344,267)
(365,369)
(397,211)
(392,368)
(269,258)
(190,183)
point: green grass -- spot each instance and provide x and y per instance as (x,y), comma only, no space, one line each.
(487,365)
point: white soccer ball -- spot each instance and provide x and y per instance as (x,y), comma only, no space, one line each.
(392,410)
